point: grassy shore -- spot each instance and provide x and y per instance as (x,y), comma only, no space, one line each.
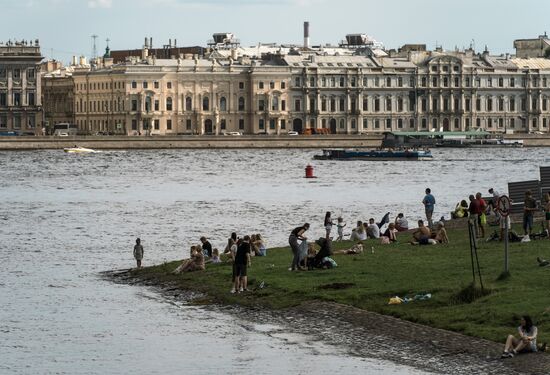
(397,269)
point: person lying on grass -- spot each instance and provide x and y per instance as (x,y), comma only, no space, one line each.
(355,249)
(527,341)
(195,263)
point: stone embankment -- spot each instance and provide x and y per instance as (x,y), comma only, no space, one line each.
(221,142)
(189,142)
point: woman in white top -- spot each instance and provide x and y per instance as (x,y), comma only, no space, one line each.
(527,341)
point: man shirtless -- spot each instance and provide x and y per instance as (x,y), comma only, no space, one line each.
(422,235)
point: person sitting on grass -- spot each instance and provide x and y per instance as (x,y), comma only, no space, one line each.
(422,235)
(441,233)
(195,263)
(354,250)
(461,210)
(401,224)
(311,252)
(527,341)
(215,256)
(324,251)
(358,233)
(389,235)
(373,230)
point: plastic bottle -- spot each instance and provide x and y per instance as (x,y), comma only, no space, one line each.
(372,249)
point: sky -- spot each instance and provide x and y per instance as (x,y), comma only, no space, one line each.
(64,27)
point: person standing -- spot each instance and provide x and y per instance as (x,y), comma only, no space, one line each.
(473,213)
(242,262)
(297,234)
(138,252)
(482,218)
(206,247)
(529,208)
(328,224)
(429,204)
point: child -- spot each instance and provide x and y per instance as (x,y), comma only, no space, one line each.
(216,256)
(311,252)
(340,227)
(138,252)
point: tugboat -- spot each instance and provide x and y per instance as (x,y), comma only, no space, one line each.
(382,155)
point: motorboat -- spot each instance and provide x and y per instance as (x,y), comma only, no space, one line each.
(80,150)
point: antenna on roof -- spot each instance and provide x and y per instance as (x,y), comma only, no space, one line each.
(94,46)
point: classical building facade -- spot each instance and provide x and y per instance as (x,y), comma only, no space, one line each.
(20,88)
(57,94)
(349,91)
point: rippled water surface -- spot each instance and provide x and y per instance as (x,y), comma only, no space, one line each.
(65,218)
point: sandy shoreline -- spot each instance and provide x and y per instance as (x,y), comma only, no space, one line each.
(367,334)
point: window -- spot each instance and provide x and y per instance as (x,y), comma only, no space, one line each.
(512,122)
(156,84)
(365,104)
(423,82)
(534,103)
(457,81)
(169,85)
(297,105)
(424,104)
(134,84)
(353,105)
(365,123)
(388,104)
(523,104)
(261,124)
(489,104)
(500,82)
(261,105)
(377,81)
(31,99)
(445,82)
(544,104)
(17,74)
(31,73)
(400,123)
(145,85)
(467,82)
(512,104)
(312,81)
(134,124)
(156,124)
(16,99)
(323,104)
(446,104)
(376,104)
(353,82)
(157,105)
(399,81)
(434,81)
(388,123)
(377,124)
(501,104)
(512,82)
(188,104)
(283,84)
(260,85)
(353,123)
(241,124)
(388,82)
(456,68)
(434,105)
(544,82)
(241,85)
(3,72)
(297,81)
(188,124)
(467,123)
(411,123)
(342,104)
(168,124)
(283,105)
(456,104)
(222,124)
(457,123)
(490,122)
(400,105)
(342,82)
(241,103)
(478,122)
(17,121)
(223,104)
(169,104)
(365,82)
(434,123)
(283,124)
(500,122)
(206,103)
(478,104)
(147,103)
(272,124)
(3,99)
(434,68)
(342,124)
(489,82)
(424,123)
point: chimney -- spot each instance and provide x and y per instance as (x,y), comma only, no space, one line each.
(74,61)
(306,34)
(169,43)
(146,44)
(151,43)
(175,42)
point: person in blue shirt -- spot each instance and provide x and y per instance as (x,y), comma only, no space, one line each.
(429,203)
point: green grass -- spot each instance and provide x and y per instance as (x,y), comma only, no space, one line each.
(398,269)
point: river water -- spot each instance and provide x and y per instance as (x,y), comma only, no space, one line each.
(66,218)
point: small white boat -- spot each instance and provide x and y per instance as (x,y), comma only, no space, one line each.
(80,150)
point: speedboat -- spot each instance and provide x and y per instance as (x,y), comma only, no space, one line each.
(80,150)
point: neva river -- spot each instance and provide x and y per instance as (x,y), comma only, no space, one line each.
(65,218)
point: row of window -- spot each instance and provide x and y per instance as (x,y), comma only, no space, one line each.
(16,99)
(17,121)
(17,73)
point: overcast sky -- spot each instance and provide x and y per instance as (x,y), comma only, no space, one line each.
(64,27)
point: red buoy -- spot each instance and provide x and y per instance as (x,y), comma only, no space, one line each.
(309,171)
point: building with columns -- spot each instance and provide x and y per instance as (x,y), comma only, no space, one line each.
(349,89)
(20,88)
